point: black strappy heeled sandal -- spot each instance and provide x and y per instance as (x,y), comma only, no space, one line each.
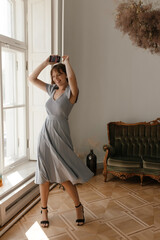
(80,222)
(45,222)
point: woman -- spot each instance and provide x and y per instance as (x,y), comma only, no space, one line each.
(57,161)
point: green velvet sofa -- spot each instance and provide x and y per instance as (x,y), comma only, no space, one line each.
(133,149)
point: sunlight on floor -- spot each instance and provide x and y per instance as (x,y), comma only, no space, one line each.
(36,232)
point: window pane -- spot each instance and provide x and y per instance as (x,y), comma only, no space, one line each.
(14,135)
(6,18)
(12,19)
(13,77)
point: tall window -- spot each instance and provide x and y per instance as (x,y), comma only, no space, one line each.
(13,104)
(12,19)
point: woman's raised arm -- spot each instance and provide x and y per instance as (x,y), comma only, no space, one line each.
(71,80)
(33,78)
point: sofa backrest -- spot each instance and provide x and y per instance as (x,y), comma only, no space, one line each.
(138,139)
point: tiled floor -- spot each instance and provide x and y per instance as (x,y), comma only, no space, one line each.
(115,210)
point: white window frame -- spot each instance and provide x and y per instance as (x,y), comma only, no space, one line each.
(20,46)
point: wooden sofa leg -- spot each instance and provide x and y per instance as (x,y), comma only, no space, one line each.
(105,177)
(141,177)
(105,166)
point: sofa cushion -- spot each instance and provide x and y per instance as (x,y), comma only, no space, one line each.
(152,163)
(126,162)
(125,169)
(149,172)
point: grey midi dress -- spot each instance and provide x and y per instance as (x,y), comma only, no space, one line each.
(56,159)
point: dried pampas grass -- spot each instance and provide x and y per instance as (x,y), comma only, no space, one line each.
(141,22)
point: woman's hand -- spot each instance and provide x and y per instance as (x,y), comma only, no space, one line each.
(48,62)
(65,59)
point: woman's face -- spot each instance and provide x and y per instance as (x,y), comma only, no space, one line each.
(59,78)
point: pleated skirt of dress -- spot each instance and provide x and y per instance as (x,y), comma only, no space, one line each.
(56,159)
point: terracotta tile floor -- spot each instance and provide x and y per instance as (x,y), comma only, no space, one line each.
(115,210)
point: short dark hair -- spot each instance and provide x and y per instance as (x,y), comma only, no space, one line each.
(59,67)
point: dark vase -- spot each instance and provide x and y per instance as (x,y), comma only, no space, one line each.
(92,162)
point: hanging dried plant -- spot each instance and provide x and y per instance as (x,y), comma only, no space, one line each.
(141,22)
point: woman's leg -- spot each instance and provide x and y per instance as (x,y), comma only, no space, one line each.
(73,193)
(44,192)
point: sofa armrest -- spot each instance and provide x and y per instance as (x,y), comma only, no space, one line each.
(111,150)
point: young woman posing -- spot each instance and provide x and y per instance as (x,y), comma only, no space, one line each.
(57,161)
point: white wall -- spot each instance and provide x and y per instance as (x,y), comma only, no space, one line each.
(117,81)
